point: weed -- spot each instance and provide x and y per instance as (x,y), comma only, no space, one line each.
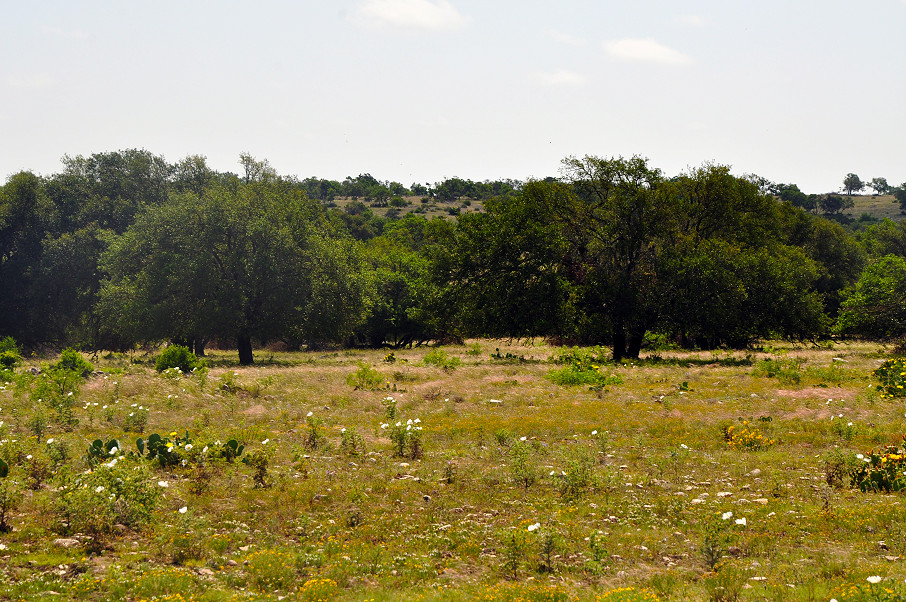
(438,357)
(366,378)
(523,467)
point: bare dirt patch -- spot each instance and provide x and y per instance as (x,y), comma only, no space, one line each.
(817,393)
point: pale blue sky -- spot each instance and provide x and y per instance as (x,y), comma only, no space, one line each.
(797,91)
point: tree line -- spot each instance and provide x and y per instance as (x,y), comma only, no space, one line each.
(122,248)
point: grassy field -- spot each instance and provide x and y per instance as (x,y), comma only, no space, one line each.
(684,476)
(883,206)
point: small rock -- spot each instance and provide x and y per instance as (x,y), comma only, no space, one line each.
(427,498)
(883,545)
(756,472)
(66,542)
(232,562)
(724,493)
(206,572)
(244,548)
(891,558)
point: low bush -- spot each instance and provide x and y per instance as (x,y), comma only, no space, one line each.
(121,491)
(365,378)
(746,437)
(72,361)
(892,375)
(177,356)
(439,358)
(882,469)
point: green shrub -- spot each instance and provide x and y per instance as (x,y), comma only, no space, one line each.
(365,378)
(9,354)
(177,356)
(892,375)
(881,470)
(121,491)
(9,344)
(72,361)
(438,357)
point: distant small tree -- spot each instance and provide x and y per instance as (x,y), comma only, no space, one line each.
(853,184)
(879,185)
(834,203)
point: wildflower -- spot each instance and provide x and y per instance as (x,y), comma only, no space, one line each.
(265,442)
(113,450)
(99,489)
(860,457)
(741,521)
(522,438)
(417,420)
(28,457)
(310,414)
(343,430)
(594,432)
(874,579)
(684,446)
(49,441)
(170,449)
(205,450)
(188,446)
(726,515)
(184,509)
(385,425)
(163,484)
(535,526)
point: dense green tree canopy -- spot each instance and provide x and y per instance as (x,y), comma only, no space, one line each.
(122,247)
(252,261)
(877,305)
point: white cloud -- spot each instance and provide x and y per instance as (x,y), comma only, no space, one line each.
(565,38)
(695,20)
(560,78)
(410,14)
(644,50)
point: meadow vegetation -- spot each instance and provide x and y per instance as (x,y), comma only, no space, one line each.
(491,471)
